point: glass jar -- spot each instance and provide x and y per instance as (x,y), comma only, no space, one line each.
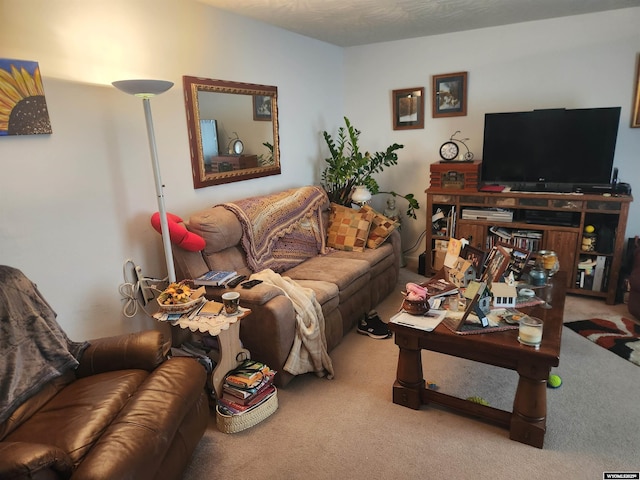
(548,260)
(530,331)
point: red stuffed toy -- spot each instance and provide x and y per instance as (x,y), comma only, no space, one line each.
(179,233)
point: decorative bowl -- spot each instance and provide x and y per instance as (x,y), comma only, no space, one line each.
(415,307)
(178,307)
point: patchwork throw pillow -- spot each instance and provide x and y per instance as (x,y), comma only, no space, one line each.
(348,228)
(381,227)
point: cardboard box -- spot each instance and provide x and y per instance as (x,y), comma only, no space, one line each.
(437,259)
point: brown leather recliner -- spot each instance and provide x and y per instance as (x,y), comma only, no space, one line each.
(122,411)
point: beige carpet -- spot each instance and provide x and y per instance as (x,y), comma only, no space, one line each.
(348,427)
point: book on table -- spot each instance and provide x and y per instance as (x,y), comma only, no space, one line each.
(438,286)
(214,278)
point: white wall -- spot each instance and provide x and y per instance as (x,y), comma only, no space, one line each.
(75,204)
(573,62)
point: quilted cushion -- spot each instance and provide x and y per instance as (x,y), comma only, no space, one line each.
(348,228)
(381,227)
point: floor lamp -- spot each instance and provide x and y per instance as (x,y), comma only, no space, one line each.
(146,89)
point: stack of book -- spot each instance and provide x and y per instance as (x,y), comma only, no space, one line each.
(246,387)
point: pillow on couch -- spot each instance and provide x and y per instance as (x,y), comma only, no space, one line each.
(381,227)
(348,228)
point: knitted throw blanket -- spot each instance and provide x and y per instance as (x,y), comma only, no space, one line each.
(282,230)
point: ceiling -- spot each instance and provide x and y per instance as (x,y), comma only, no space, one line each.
(349,23)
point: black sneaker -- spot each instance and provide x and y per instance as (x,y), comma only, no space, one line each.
(374,327)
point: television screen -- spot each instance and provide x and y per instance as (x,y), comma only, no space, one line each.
(553,149)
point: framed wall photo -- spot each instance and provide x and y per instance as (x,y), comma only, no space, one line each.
(449,95)
(635,120)
(408,108)
(262,108)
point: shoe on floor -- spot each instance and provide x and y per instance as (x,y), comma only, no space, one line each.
(374,327)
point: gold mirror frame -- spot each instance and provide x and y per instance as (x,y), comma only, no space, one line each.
(203,173)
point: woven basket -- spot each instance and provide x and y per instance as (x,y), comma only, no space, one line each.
(237,423)
(180,307)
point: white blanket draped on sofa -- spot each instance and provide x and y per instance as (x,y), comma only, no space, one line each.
(309,350)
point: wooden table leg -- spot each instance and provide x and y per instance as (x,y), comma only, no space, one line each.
(231,355)
(529,416)
(409,384)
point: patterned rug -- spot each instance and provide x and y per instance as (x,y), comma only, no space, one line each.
(618,335)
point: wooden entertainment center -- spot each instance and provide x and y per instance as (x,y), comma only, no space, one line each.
(549,221)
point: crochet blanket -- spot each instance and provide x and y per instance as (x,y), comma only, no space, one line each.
(35,349)
(309,350)
(282,230)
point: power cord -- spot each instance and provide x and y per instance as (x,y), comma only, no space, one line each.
(415,245)
(132,288)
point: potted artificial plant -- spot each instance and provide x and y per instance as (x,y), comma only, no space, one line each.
(348,167)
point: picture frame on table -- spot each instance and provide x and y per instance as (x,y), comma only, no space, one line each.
(495,264)
(262,108)
(476,256)
(518,260)
(408,108)
(449,95)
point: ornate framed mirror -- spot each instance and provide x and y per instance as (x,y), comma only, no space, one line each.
(233,130)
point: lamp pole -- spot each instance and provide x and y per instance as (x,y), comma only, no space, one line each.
(146,89)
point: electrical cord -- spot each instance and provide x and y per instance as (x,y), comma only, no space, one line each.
(131,289)
(415,245)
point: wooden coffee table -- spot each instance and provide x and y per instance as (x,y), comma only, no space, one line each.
(527,421)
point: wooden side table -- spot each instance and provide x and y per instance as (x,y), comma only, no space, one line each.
(227,329)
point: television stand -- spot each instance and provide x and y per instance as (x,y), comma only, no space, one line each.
(549,221)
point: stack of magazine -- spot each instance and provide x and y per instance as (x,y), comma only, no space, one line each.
(246,387)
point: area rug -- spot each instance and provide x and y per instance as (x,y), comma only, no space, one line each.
(618,335)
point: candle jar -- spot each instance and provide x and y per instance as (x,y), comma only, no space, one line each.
(530,331)
(538,276)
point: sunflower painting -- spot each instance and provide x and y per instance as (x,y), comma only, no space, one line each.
(23,108)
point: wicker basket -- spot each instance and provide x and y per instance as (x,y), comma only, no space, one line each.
(180,307)
(237,423)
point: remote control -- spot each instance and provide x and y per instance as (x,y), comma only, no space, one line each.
(251,283)
(235,281)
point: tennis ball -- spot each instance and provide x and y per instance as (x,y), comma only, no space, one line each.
(554,381)
(476,399)
(589,229)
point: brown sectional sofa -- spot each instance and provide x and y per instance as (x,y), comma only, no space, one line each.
(347,284)
(115,409)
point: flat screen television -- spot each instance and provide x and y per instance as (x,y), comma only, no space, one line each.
(550,150)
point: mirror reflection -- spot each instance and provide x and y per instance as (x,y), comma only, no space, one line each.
(233,130)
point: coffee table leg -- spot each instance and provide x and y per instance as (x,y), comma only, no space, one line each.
(529,417)
(409,384)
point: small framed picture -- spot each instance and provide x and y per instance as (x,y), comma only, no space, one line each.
(449,95)
(475,256)
(262,108)
(408,108)
(517,262)
(495,265)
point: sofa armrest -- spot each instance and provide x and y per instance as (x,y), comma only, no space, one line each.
(258,295)
(23,460)
(143,350)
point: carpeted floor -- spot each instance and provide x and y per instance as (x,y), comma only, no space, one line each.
(617,334)
(349,428)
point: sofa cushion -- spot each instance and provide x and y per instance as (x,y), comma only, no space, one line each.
(348,228)
(381,227)
(343,272)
